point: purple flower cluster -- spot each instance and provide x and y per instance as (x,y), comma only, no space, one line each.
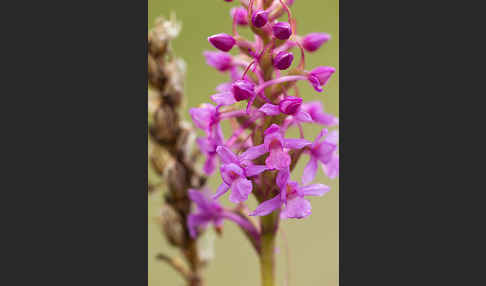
(261,104)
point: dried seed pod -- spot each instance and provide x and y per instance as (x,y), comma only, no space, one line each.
(185,143)
(165,126)
(160,159)
(172,226)
(156,75)
(175,71)
(176,178)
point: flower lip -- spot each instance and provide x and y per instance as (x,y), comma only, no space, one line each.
(259,18)
(290,105)
(283,60)
(223,42)
(243,89)
(282,30)
(230,172)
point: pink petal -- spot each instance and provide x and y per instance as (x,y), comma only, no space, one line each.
(270,109)
(267,207)
(296,208)
(209,165)
(303,116)
(272,129)
(278,159)
(254,170)
(194,221)
(296,143)
(314,190)
(241,188)
(226,155)
(331,169)
(226,86)
(282,178)
(222,189)
(333,137)
(322,133)
(253,152)
(201,116)
(198,198)
(225,98)
(309,171)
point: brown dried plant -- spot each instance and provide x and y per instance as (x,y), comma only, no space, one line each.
(171,152)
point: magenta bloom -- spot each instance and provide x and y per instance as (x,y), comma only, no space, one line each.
(283,60)
(223,42)
(325,153)
(240,15)
(205,116)
(290,105)
(292,196)
(282,30)
(219,60)
(316,112)
(224,98)
(278,146)
(319,76)
(208,146)
(256,76)
(313,41)
(235,171)
(210,211)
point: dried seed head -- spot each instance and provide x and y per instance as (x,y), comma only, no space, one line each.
(160,36)
(172,226)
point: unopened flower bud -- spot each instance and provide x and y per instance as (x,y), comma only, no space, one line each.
(243,89)
(283,60)
(240,15)
(259,18)
(223,42)
(282,30)
(319,76)
(219,60)
(290,105)
(313,41)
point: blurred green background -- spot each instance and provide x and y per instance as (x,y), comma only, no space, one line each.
(313,243)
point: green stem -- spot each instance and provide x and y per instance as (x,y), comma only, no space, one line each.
(269,225)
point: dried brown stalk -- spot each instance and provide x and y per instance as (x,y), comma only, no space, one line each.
(171,154)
